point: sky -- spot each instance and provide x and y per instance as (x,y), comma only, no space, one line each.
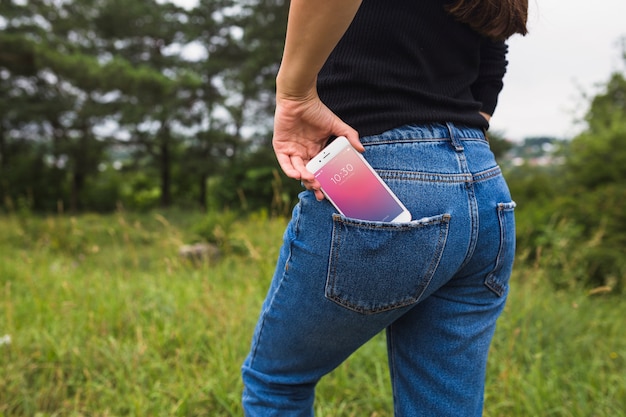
(572,48)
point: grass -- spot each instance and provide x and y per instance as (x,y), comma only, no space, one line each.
(105,319)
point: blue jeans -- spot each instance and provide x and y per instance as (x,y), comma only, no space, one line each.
(436,284)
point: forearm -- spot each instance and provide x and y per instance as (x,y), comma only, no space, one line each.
(313,30)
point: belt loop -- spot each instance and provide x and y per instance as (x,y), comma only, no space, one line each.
(458,146)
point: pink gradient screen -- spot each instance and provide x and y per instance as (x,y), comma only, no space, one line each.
(355,190)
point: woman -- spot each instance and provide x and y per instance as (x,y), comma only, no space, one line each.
(412,84)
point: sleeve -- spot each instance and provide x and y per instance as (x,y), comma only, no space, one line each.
(491,72)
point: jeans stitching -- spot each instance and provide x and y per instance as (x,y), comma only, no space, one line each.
(256,342)
(443,238)
(442,178)
(491,282)
(442,221)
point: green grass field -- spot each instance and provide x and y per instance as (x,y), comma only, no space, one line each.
(100,316)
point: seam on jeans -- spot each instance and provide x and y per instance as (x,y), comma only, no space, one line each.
(472,206)
(390,141)
(443,178)
(257,340)
(443,239)
(472,203)
(393,373)
(425,132)
(487,174)
(491,282)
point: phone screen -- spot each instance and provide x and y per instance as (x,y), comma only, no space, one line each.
(355,190)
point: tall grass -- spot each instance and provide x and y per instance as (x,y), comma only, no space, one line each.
(558,353)
(102,317)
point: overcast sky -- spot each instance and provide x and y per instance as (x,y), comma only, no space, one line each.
(573,46)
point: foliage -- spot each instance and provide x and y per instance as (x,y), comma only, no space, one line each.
(99,316)
(82,80)
(255,180)
(218,228)
(571,215)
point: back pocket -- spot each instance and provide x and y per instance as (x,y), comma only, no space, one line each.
(377,266)
(497,281)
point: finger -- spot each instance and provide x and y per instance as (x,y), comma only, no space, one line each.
(287,166)
(355,142)
(319,195)
(351,134)
(314,186)
(305,175)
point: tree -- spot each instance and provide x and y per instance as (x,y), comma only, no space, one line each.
(52,58)
(597,156)
(83,81)
(148,34)
(594,191)
(243,45)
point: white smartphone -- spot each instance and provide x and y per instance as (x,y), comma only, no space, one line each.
(353,187)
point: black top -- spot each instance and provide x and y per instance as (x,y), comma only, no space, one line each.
(409,61)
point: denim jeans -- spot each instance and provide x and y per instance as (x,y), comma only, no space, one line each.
(436,284)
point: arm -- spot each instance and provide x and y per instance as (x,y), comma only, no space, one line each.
(302,123)
(314,29)
(489,83)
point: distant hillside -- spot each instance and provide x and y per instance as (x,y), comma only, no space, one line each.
(536,151)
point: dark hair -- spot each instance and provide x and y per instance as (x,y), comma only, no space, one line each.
(495,19)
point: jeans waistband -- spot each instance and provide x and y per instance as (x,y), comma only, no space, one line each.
(427,132)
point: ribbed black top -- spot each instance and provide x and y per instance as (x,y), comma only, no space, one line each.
(409,61)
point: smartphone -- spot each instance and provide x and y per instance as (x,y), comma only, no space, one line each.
(353,187)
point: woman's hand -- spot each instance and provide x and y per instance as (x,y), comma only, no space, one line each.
(302,126)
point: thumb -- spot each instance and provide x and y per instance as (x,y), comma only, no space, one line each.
(351,134)
(355,142)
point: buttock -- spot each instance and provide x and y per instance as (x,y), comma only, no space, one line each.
(373,267)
